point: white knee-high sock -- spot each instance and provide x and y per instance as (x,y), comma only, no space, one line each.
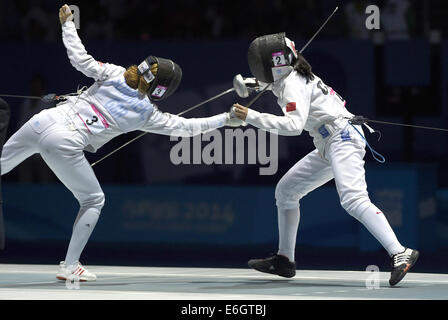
(82,229)
(288,223)
(376,223)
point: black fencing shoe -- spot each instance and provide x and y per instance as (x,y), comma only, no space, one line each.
(401,263)
(276,264)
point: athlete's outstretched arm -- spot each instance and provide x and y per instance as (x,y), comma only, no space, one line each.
(76,52)
(172,125)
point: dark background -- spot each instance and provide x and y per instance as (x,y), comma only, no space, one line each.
(400,76)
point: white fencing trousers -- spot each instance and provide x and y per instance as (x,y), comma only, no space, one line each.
(62,149)
(345,154)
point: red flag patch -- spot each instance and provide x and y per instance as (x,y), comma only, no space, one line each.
(291,107)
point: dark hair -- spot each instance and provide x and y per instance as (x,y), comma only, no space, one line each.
(303,68)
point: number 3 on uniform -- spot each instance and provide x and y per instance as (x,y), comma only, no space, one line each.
(93,120)
(90,122)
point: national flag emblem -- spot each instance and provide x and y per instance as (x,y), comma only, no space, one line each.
(291,107)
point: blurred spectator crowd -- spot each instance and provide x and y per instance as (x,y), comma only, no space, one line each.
(37,20)
(202,20)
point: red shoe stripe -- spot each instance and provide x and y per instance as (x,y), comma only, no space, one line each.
(408,266)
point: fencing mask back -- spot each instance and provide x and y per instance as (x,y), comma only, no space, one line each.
(271,57)
(165,82)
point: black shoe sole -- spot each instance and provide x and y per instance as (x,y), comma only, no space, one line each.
(286,274)
(414,258)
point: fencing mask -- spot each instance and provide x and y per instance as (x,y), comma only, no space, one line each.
(165,82)
(271,57)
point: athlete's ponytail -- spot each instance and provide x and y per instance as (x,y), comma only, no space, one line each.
(303,68)
(136,81)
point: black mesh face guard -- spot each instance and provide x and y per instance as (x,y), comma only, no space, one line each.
(269,57)
(165,82)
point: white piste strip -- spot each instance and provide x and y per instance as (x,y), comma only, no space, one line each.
(114,272)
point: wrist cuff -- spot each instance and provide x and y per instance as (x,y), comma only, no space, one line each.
(252,115)
(69,24)
(217,121)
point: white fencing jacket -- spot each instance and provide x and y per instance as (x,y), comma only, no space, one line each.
(313,107)
(110,107)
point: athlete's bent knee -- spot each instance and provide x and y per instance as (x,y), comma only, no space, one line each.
(355,206)
(286,198)
(95,200)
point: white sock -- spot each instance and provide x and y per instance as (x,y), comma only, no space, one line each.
(82,229)
(376,223)
(288,223)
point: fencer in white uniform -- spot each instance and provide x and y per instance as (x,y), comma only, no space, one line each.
(87,121)
(310,105)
